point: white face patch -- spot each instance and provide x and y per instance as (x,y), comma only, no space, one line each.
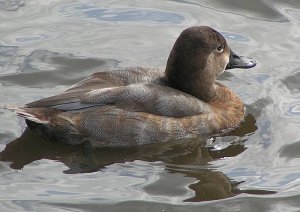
(226,60)
(217,63)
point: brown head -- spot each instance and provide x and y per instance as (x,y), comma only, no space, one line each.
(199,55)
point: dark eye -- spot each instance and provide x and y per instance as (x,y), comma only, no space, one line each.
(220,48)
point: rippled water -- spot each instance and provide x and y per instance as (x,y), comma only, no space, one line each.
(45,46)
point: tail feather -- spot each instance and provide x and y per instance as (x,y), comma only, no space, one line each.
(31,116)
(9,107)
(28,113)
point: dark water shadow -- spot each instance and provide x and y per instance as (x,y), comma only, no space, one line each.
(292,82)
(290,151)
(190,159)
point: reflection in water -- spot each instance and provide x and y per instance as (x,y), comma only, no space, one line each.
(190,159)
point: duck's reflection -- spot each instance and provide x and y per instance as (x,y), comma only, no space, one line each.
(190,159)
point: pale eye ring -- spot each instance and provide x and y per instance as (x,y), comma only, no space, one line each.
(220,49)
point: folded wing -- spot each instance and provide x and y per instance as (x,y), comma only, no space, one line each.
(119,77)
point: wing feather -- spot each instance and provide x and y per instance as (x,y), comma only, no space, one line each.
(150,98)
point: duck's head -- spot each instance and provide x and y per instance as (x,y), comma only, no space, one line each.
(199,55)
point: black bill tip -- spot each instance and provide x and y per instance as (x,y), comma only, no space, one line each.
(236,61)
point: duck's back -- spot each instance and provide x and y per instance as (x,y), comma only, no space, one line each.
(100,80)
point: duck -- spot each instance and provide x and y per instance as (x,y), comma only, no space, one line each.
(134,106)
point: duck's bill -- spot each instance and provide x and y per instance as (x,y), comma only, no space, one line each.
(236,61)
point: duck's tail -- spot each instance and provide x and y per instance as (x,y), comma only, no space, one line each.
(36,115)
(49,123)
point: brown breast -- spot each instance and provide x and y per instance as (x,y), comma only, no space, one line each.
(228,110)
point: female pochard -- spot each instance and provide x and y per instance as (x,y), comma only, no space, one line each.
(134,106)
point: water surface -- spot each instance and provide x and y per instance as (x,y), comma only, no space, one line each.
(45,46)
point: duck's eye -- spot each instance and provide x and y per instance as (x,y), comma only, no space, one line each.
(220,49)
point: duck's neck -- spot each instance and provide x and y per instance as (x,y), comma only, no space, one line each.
(190,70)
(197,83)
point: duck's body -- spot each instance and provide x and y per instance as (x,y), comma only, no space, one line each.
(135,106)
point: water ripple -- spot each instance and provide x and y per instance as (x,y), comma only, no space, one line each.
(11,5)
(294,110)
(9,59)
(41,62)
(259,10)
(122,14)
(235,37)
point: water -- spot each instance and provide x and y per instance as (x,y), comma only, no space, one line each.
(45,46)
